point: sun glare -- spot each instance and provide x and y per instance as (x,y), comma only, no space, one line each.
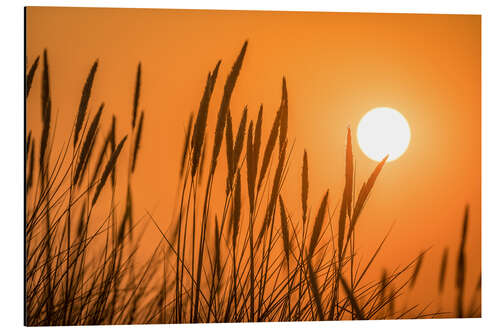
(383,131)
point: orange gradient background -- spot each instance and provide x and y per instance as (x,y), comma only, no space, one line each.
(338,66)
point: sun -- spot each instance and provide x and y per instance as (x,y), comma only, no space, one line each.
(383,131)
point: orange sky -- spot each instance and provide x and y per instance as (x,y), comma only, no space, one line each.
(338,66)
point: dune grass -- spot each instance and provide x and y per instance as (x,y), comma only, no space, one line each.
(234,264)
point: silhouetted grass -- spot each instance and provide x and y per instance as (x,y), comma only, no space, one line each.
(212,264)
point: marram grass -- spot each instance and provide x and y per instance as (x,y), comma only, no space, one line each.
(233,263)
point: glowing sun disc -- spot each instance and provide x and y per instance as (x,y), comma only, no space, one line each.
(383,131)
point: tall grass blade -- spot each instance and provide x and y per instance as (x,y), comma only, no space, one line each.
(349,173)
(224,106)
(271,142)
(84,101)
(257,136)
(274,195)
(318,225)
(81,221)
(284,113)
(365,191)
(217,244)
(442,270)
(100,159)
(229,152)
(28,144)
(460,275)
(46,108)
(202,161)
(186,143)
(240,136)
(416,271)
(87,146)
(383,287)
(31,75)
(112,147)
(44,141)
(200,124)
(45,92)
(31,165)
(342,224)
(251,168)
(107,170)
(305,187)
(236,214)
(137,141)
(137,94)
(346,205)
(284,230)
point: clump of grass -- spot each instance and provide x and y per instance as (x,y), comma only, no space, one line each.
(213,264)
(75,260)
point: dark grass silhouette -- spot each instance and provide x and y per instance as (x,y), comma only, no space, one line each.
(209,266)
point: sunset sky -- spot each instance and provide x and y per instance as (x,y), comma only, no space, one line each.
(338,66)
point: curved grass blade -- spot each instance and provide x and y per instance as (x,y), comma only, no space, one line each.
(31,75)
(137,141)
(318,225)
(416,271)
(224,106)
(137,94)
(251,168)
(229,152)
(200,124)
(238,144)
(271,142)
(257,137)
(186,143)
(305,186)
(284,113)
(284,230)
(84,101)
(442,270)
(86,149)
(107,170)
